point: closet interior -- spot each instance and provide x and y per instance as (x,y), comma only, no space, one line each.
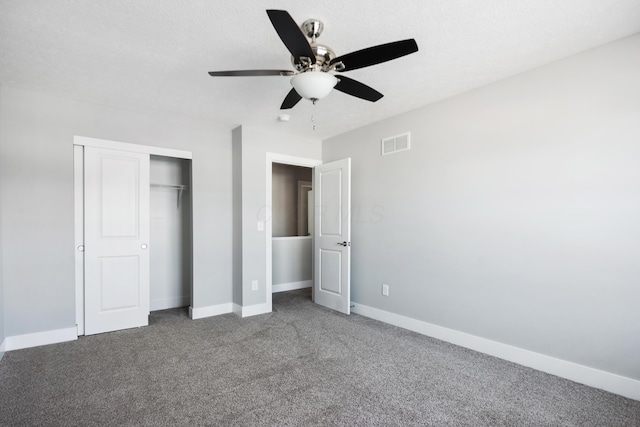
(170,233)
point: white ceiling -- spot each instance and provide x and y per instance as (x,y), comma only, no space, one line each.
(153,55)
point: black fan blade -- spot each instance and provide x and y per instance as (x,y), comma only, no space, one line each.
(357,89)
(291,35)
(251,73)
(291,100)
(376,54)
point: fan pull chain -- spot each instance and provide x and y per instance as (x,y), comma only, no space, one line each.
(313,121)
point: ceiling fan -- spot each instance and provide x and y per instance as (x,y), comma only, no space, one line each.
(313,62)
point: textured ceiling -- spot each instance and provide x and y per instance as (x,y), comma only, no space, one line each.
(153,55)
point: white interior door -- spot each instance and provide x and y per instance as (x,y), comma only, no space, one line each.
(332,235)
(116,197)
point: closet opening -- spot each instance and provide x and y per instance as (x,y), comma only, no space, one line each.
(133,233)
(170,233)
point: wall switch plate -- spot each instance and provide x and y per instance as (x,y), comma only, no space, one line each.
(385,289)
(260,225)
(254,285)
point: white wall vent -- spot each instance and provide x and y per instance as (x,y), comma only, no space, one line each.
(396,143)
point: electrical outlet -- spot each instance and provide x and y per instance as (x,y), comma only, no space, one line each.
(385,289)
(260,225)
(254,285)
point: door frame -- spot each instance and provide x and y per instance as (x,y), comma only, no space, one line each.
(79,142)
(268,229)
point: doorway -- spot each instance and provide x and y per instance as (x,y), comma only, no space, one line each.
(291,236)
(289,254)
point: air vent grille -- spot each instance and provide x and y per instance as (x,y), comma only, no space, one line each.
(395,144)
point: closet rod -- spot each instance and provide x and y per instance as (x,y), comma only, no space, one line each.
(173,186)
(179,187)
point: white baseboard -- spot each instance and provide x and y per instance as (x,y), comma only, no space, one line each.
(216,310)
(237,310)
(36,339)
(291,286)
(166,303)
(254,310)
(613,383)
(212,310)
(2,348)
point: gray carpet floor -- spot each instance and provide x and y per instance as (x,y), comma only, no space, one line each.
(301,365)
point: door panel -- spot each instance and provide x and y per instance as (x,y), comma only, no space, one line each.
(332,235)
(119,184)
(118,287)
(330,266)
(330,194)
(116,239)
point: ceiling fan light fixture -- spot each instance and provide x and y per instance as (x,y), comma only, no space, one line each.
(313,85)
(313,62)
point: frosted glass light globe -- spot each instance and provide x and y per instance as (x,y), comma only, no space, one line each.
(313,85)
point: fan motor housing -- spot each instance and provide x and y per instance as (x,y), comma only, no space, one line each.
(324,55)
(312,28)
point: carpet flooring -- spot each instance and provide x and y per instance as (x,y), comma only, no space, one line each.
(301,365)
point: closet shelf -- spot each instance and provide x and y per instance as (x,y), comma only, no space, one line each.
(179,187)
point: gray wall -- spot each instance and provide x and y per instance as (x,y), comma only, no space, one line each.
(515,216)
(237,214)
(284,205)
(291,260)
(256,143)
(36,178)
(2,302)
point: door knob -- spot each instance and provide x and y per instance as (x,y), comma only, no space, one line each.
(342,244)
(143,246)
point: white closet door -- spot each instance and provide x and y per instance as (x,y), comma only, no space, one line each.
(116,240)
(332,235)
